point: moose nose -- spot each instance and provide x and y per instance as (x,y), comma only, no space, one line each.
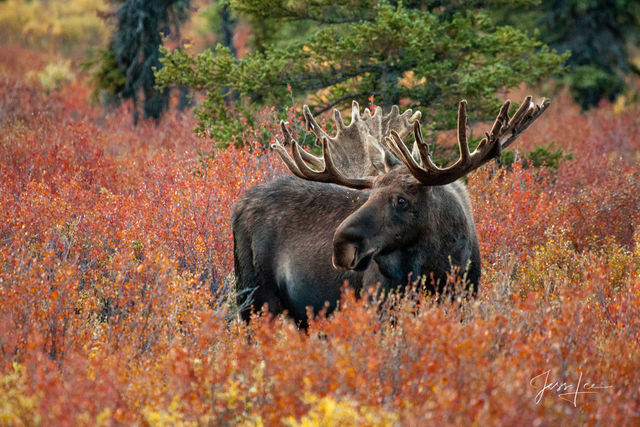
(347,244)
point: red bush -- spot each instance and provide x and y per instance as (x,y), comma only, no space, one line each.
(116,270)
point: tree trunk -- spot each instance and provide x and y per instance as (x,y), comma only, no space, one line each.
(389,89)
(228,28)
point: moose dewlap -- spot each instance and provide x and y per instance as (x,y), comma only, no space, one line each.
(369,212)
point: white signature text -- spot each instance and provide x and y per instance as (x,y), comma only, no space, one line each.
(565,390)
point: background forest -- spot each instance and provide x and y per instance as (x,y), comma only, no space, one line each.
(129,128)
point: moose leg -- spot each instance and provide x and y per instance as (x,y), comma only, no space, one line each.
(262,295)
(251,291)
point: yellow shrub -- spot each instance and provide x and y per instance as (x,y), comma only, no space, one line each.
(54,21)
(552,264)
(172,416)
(619,261)
(17,406)
(636,255)
(55,74)
(329,412)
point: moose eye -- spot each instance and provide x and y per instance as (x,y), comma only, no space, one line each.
(401,202)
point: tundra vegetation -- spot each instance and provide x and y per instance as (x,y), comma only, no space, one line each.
(116,271)
(116,265)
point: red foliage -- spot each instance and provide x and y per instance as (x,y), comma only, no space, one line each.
(116,271)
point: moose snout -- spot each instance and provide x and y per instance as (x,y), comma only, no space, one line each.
(344,255)
(349,250)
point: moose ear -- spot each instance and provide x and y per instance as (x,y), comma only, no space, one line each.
(385,161)
(381,159)
(390,161)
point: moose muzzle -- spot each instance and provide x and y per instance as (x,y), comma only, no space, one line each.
(350,251)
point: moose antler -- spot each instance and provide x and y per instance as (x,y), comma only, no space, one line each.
(503,132)
(355,154)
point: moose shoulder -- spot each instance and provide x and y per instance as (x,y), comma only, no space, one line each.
(368,213)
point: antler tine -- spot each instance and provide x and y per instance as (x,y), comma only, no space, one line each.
(432,175)
(355,112)
(285,132)
(394,113)
(288,140)
(489,145)
(532,113)
(423,148)
(286,158)
(337,117)
(389,144)
(312,125)
(463,144)
(405,155)
(416,116)
(330,173)
(521,111)
(502,120)
(502,134)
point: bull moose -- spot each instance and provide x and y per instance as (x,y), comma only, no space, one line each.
(368,212)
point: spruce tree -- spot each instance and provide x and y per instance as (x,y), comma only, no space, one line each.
(597,33)
(328,52)
(126,67)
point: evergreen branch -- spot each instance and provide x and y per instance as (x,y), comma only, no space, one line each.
(341,100)
(320,80)
(279,11)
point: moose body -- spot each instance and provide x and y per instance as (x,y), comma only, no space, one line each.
(284,247)
(283,235)
(297,240)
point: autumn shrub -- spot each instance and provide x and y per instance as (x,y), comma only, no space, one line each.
(55,75)
(52,24)
(116,283)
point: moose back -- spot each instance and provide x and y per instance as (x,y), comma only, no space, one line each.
(368,212)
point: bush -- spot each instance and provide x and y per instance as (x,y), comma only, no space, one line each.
(55,75)
(116,269)
(54,23)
